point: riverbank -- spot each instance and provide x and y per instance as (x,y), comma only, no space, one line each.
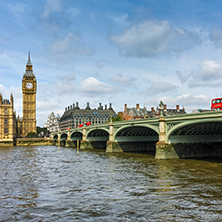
(27,142)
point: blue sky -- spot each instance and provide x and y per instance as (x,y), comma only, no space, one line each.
(138,51)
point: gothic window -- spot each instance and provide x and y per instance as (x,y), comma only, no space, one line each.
(6,130)
(6,110)
(5,121)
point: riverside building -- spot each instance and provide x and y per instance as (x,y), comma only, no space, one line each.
(7,120)
(10,127)
(75,116)
(52,123)
(137,112)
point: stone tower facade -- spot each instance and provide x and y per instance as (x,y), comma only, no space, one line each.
(7,120)
(29,100)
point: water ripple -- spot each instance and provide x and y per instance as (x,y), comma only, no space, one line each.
(50,184)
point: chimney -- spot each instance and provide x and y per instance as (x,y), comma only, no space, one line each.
(70,106)
(152,109)
(177,107)
(66,109)
(105,106)
(125,106)
(87,107)
(73,105)
(77,105)
(110,106)
(165,107)
(137,106)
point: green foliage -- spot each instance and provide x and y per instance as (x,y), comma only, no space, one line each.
(42,129)
(32,135)
(118,118)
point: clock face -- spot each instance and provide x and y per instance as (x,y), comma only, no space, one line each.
(29,85)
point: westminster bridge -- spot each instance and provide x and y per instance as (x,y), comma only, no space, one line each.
(181,136)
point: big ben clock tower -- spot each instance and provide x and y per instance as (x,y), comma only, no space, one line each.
(29,100)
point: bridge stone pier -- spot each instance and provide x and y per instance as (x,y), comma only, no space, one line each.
(182,136)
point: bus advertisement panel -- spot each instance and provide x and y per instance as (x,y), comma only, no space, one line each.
(216,104)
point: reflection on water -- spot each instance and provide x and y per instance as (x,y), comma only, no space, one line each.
(51,184)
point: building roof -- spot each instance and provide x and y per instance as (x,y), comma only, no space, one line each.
(76,111)
(29,71)
(141,112)
(171,112)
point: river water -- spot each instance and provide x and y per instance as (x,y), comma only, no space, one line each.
(47,183)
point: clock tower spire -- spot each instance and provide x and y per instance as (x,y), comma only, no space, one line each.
(29,99)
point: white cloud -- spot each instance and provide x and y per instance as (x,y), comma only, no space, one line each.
(64,45)
(101,64)
(46,106)
(65,85)
(123,80)
(209,74)
(183,78)
(188,101)
(55,19)
(63,88)
(120,20)
(17,95)
(152,38)
(92,86)
(216,37)
(67,78)
(161,87)
(50,7)
(62,49)
(19,10)
(2,88)
(74,12)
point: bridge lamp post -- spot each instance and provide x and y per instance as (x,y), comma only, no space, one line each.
(161,108)
(111,118)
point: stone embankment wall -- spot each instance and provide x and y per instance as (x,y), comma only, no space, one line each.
(33,142)
(7,143)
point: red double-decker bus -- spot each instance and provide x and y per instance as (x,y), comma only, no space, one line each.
(216,104)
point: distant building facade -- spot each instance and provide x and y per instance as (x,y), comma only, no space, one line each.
(141,113)
(52,123)
(7,120)
(75,116)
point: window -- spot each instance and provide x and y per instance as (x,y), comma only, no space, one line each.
(6,110)
(6,130)
(5,121)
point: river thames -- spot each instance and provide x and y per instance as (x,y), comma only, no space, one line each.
(47,183)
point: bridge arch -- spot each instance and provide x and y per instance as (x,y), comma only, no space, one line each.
(98,135)
(137,133)
(196,131)
(74,136)
(55,137)
(64,136)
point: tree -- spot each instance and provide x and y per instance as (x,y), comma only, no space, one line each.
(42,129)
(117,118)
(32,135)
